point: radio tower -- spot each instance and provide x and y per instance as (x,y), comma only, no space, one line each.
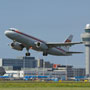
(86,40)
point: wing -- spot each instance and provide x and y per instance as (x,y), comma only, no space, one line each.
(62,44)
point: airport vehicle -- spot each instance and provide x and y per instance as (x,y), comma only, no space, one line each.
(22,40)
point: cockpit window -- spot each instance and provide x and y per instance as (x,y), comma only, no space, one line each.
(11,29)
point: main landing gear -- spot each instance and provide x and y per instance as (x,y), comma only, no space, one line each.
(27,54)
(45,53)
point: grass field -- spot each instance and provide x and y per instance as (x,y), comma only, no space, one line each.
(9,84)
(14,85)
(47,88)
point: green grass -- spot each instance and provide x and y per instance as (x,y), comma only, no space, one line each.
(47,88)
(27,85)
(14,84)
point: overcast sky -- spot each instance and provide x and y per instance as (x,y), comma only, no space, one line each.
(49,20)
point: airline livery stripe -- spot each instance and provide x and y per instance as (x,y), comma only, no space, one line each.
(30,36)
(38,40)
(68,40)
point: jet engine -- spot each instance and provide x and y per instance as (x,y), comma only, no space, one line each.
(41,45)
(17,46)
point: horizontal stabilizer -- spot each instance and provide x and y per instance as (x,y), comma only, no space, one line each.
(74,52)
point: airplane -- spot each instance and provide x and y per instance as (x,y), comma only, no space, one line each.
(22,40)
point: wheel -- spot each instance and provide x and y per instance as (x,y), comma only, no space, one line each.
(27,54)
(45,54)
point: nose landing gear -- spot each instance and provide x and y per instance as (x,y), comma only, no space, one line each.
(27,54)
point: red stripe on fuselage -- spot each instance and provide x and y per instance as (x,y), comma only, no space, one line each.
(30,37)
(38,40)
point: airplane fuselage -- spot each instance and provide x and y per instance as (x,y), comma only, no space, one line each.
(30,42)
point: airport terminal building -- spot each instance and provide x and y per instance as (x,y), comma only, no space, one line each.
(18,63)
(27,66)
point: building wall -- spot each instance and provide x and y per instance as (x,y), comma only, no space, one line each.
(48,65)
(35,72)
(0,62)
(41,63)
(17,64)
(14,74)
(79,72)
(23,63)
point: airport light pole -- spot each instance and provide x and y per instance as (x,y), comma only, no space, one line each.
(43,67)
(23,66)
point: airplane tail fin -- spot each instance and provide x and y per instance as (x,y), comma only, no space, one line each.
(68,40)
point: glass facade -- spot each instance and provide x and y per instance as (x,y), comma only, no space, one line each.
(86,39)
(19,63)
(87,30)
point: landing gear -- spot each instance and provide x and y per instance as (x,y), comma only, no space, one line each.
(27,54)
(45,54)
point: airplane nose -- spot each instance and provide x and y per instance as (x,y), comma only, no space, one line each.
(6,33)
(10,34)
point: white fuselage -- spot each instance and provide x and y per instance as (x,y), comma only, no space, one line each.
(29,41)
